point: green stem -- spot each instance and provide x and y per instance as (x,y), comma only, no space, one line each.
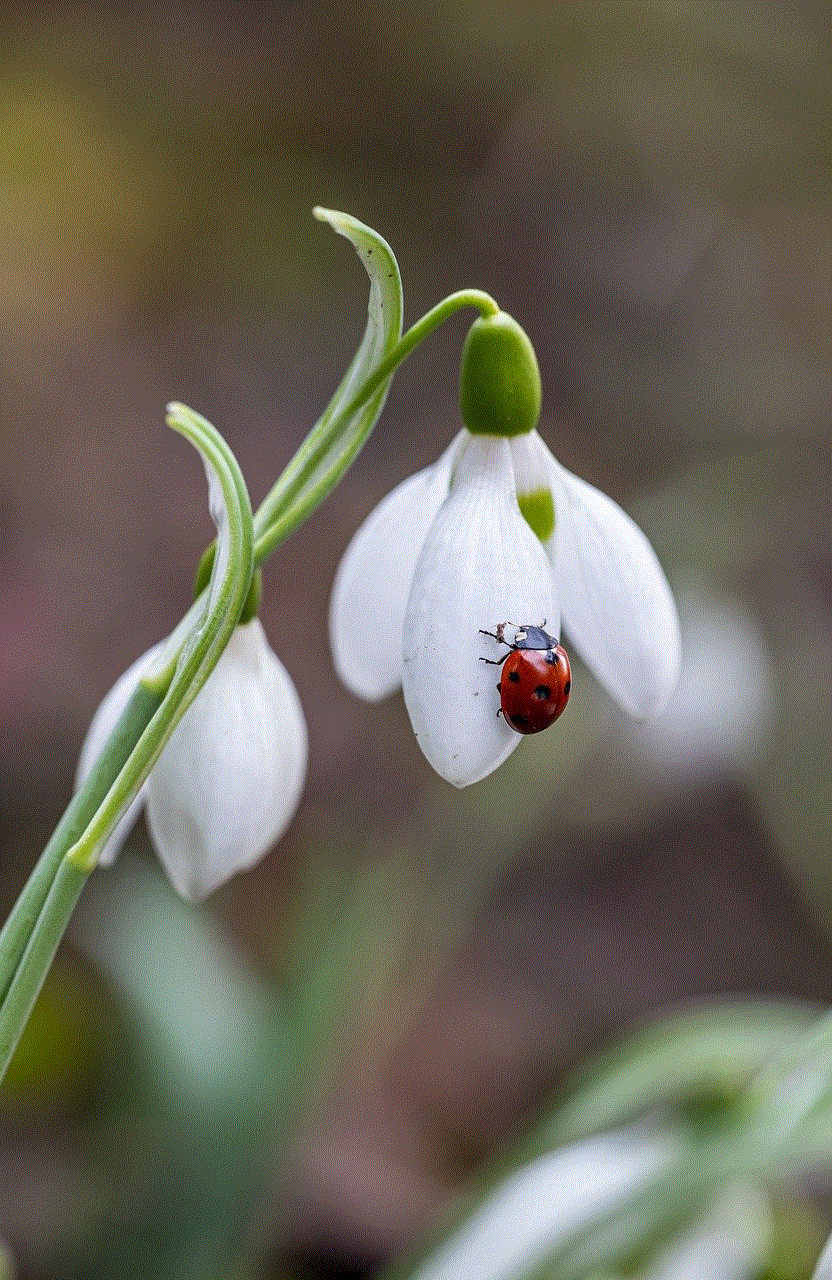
(38,955)
(82,808)
(298,492)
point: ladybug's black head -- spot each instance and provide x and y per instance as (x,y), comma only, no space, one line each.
(533,638)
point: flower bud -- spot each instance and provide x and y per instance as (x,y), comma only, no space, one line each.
(499,383)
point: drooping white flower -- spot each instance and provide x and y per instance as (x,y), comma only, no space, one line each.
(228,783)
(480,564)
(496,531)
(497,534)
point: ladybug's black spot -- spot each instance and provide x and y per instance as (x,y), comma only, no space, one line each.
(543,692)
(514,677)
(567,687)
(519,719)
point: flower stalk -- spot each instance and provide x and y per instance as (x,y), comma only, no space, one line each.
(303,486)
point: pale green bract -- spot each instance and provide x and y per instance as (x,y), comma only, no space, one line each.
(343,428)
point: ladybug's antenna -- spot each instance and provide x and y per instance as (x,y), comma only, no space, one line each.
(499,634)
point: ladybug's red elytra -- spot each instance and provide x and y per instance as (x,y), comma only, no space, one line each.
(535,680)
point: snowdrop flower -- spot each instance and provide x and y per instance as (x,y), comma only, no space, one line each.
(227,784)
(497,531)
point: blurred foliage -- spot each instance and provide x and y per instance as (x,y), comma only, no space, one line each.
(63,1060)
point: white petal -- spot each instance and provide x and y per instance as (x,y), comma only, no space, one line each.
(101,726)
(480,565)
(537,1207)
(618,609)
(372,584)
(532,463)
(227,784)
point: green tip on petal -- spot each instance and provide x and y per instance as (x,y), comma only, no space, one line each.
(538,508)
(499,384)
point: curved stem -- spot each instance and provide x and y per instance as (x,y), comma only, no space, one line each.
(297,492)
(431,320)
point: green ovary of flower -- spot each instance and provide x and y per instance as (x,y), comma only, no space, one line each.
(499,384)
(538,508)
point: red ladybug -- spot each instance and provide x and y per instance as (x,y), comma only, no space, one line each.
(535,680)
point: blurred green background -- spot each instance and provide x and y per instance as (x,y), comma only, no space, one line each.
(646,188)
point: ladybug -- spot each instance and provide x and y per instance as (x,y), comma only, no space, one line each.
(535,680)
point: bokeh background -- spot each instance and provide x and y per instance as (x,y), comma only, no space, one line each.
(645,187)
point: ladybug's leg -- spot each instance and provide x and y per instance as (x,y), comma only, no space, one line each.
(498,636)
